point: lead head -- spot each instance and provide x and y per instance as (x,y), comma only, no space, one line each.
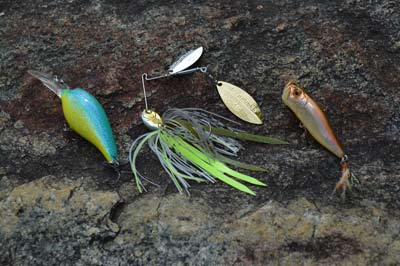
(151,119)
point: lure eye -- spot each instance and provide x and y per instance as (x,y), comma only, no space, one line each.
(296,92)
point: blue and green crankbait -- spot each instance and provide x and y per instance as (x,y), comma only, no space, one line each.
(193,144)
(84,114)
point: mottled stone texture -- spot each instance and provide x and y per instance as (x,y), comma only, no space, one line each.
(60,206)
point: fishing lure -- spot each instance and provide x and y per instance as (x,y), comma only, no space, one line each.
(194,144)
(238,101)
(315,121)
(84,114)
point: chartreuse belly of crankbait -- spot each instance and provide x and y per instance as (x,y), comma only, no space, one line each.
(84,114)
(315,121)
(193,144)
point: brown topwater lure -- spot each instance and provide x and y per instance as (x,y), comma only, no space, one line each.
(315,121)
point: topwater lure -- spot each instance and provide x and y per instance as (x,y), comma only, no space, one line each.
(315,121)
(84,114)
(193,144)
(238,101)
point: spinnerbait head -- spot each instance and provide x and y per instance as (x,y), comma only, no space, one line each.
(151,119)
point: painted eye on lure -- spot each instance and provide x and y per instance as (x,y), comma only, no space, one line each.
(316,123)
(84,114)
(297,92)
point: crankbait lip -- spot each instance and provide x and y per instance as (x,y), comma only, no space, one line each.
(53,83)
(151,119)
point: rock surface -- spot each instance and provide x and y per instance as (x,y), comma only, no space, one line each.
(60,206)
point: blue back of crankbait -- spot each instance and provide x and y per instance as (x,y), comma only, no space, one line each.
(84,114)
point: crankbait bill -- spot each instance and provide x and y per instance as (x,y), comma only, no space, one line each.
(316,123)
(237,100)
(193,144)
(84,114)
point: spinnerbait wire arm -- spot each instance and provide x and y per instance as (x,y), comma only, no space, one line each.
(183,72)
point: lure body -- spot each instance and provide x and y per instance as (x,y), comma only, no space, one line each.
(312,118)
(315,121)
(84,114)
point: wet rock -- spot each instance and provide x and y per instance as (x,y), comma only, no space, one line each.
(176,214)
(300,232)
(36,216)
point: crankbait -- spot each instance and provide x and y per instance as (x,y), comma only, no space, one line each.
(192,144)
(84,114)
(315,121)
